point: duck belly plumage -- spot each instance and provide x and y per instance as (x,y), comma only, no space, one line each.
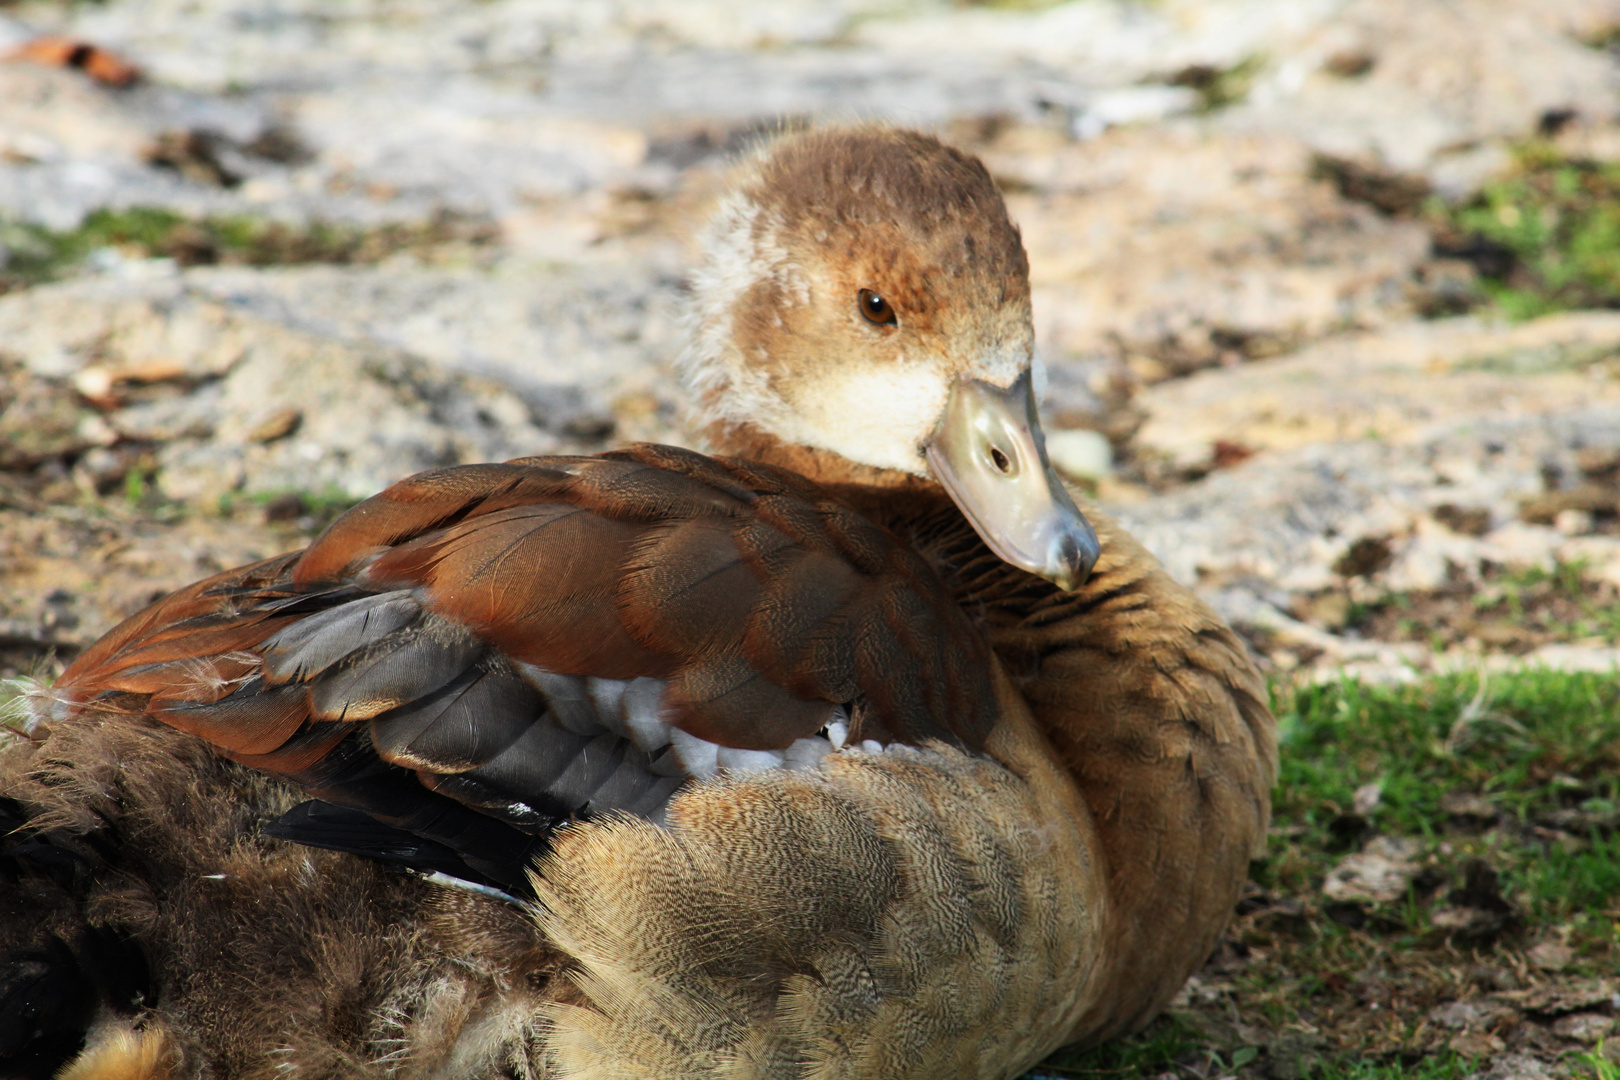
(857,750)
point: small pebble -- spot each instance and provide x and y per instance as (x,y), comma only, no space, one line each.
(1551,956)
(1573,522)
(277,425)
(1367,798)
(286,507)
(1080,454)
(1585,1027)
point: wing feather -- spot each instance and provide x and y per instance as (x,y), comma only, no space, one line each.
(461,727)
(402,667)
(479,653)
(310,646)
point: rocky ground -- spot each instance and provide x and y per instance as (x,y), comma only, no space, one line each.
(1319,325)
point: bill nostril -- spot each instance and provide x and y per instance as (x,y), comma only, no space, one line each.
(1000,459)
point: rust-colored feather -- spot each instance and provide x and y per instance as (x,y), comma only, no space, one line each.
(485,620)
(416,505)
(688,588)
(251,721)
(536,581)
(309,744)
(117,648)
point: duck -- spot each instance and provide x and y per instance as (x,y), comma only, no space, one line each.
(852,747)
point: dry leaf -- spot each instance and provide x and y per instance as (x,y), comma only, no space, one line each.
(107,68)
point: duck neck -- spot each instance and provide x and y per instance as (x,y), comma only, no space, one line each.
(824,467)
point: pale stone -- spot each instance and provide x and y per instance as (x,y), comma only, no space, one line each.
(1584,1027)
(1573,522)
(1081,454)
(1550,955)
(1380,872)
(1367,797)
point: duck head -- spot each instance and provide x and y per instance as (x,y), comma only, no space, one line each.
(865,295)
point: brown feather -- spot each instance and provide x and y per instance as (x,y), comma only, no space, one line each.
(760,602)
(199,600)
(308,745)
(1154,707)
(251,721)
(687,589)
(412,507)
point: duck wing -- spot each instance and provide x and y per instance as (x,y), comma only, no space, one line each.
(481,653)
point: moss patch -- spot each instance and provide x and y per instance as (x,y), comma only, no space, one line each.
(1503,799)
(1513,611)
(30,254)
(1544,236)
(307,511)
(1218,87)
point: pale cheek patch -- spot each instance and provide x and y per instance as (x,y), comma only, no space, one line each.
(875,416)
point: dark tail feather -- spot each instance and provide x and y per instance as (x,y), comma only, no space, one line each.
(341,828)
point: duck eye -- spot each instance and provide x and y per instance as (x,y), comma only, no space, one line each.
(875,309)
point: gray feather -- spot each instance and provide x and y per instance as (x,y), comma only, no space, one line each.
(567,696)
(461,727)
(311,645)
(468,789)
(624,785)
(406,665)
(655,796)
(587,772)
(529,768)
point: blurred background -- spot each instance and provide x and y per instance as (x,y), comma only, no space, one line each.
(1327,289)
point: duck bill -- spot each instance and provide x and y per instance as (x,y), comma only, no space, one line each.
(990,455)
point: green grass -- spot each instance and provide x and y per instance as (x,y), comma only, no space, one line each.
(309,510)
(1532,745)
(1219,87)
(1532,742)
(1594,1066)
(13,705)
(1166,1040)
(1520,590)
(1555,221)
(1440,1067)
(1513,610)
(1296,976)
(317,509)
(33,253)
